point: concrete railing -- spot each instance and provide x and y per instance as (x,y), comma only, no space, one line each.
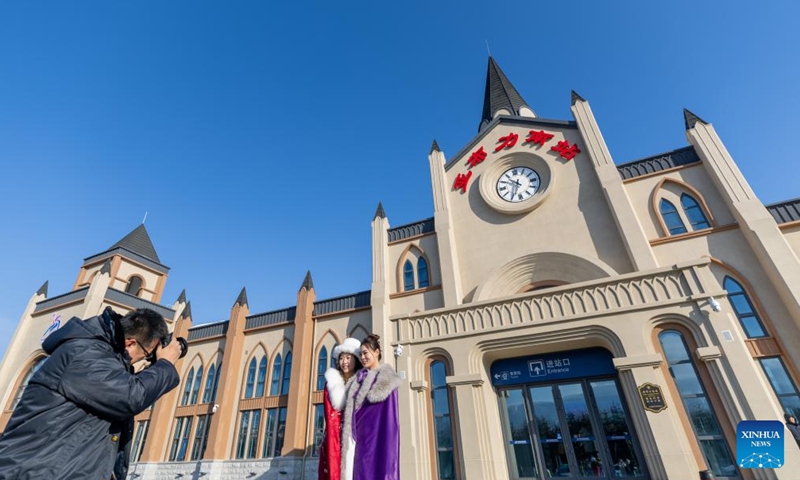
(640,290)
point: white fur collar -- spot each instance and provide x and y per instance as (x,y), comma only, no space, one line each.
(334,383)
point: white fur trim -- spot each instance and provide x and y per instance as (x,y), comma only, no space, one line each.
(334,383)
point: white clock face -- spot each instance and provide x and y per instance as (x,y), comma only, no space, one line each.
(518,184)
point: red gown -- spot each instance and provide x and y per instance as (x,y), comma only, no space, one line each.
(330,452)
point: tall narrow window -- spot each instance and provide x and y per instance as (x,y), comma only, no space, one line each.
(209,383)
(408,276)
(262,376)
(252,441)
(269,433)
(197,381)
(319,428)
(287,374)
(280,432)
(138,442)
(694,213)
(251,378)
(244,425)
(24,383)
(176,438)
(188,388)
(443,430)
(200,436)
(695,400)
(216,384)
(422,273)
(274,387)
(134,285)
(671,218)
(744,309)
(333,359)
(322,365)
(782,384)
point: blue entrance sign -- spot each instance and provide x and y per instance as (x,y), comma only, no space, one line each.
(549,367)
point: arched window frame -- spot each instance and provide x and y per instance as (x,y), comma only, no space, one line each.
(251,378)
(209,386)
(322,366)
(275,383)
(198,380)
(130,286)
(410,275)
(188,387)
(262,376)
(675,193)
(672,219)
(707,384)
(432,431)
(694,213)
(287,373)
(31,368)
(740,300)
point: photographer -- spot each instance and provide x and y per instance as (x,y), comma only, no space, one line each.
(75,419)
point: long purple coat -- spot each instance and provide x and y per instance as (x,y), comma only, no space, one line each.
(371,420)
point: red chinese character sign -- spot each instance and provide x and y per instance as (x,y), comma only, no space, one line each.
(539,138)
(564,149)
(477,157)
(462,181)
(507,142)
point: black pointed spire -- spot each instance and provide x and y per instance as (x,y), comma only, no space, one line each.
(242,298)
(106,267)
(379,213)
(308,283)
(138,241)
(43,289)
(500,94)
(182,297)
(576,98)
(691,119)
(187,311)
(434,148)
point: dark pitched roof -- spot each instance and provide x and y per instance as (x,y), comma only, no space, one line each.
(379,213)
(242,298)
(411,229)
(576,97)
(138,241)
(207,330)
(182,296)
(343,303)
(656,163)
(434,148)
(690,119)
(499,94)
(43,289)
(133,302)
(62,299)
(106,268)
(308,282)
(785,212)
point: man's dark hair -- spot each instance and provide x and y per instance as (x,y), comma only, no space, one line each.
(144,325)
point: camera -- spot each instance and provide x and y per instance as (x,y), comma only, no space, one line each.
(167,339)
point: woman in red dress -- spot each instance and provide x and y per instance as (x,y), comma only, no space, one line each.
(347,364)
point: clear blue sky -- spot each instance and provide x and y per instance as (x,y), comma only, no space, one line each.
(260,136)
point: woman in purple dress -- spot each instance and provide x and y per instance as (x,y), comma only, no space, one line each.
(371,426)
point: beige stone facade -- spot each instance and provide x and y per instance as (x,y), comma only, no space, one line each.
(666,275)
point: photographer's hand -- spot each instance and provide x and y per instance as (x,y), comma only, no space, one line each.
(171,352)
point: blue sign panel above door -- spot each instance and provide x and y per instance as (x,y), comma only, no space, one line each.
(551,367)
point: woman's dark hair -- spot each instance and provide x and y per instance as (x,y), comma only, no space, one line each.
(374,343)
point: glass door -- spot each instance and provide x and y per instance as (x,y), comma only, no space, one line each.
(575,430)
